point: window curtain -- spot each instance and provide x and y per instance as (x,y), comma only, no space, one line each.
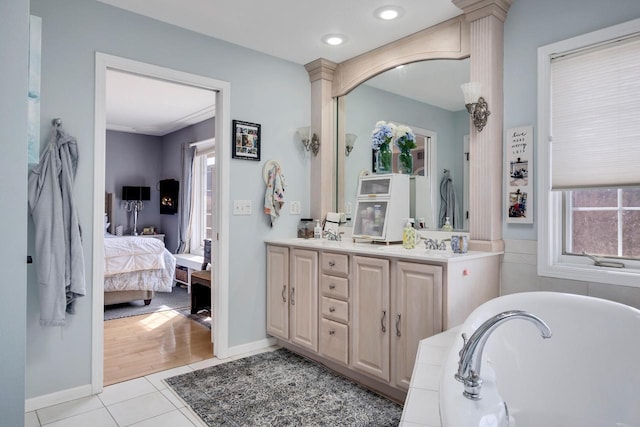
(186,199)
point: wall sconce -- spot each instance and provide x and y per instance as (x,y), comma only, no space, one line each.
(349,142)
(311,143)
(476,105)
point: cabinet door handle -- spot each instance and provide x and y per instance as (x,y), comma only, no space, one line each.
(293,291)
(398,326)
(384,316)
(331,332)
(332,286)
(332,309)
(332,264)
(284,293)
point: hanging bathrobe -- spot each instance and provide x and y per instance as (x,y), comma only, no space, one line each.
(448,202)
(58,254)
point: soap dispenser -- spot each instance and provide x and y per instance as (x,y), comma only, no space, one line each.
(409,235)
(317,230)
(447,225)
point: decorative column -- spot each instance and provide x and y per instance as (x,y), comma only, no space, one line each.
(322,183)
(486,18)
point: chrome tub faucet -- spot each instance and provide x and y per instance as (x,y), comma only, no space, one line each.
(471,353)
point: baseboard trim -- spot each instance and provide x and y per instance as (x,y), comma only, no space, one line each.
(56,398)
(247,348)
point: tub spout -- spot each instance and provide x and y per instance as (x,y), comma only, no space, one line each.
(471,353)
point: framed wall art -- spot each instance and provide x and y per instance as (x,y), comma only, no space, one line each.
(246,141)
(519,175)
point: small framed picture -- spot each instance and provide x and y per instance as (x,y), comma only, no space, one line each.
(246,141)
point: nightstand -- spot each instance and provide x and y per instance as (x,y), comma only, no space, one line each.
(153,236)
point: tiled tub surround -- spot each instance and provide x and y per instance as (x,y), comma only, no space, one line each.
(566,380)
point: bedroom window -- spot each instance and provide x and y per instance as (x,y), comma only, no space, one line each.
(204,200)
(588,149)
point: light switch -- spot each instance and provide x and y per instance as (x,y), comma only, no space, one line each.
(294,208)
(242,207)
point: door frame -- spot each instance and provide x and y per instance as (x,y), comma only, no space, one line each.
(220,274)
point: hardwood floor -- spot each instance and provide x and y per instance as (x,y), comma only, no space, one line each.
(141,345)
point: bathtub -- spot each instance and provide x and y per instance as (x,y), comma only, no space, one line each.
(586,375)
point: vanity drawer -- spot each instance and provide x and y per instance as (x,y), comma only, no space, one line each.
(336,287)
(334,339)
(335,309)
(334,263)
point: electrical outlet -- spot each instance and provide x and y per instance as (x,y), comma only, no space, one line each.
(242,207)
(347,208)
(294,207)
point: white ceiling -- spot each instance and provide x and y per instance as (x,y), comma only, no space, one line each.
(292,29)
(149,106)
(288,29)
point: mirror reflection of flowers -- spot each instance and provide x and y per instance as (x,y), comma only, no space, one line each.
(381,138)
(405,141)
(382,134)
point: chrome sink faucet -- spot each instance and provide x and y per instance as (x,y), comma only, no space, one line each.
(471,353)
(434,244)
(332,235)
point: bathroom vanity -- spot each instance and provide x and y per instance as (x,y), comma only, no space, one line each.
(361,309)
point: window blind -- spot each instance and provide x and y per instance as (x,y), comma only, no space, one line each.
(595,120)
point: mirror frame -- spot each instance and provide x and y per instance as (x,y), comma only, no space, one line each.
(447,40)
(482,36)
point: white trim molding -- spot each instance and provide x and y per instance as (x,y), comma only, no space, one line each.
(220,275)
(56,398)
(551,260)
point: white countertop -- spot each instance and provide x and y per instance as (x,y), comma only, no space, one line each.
(380,249)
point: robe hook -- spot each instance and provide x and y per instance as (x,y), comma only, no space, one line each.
(57,122)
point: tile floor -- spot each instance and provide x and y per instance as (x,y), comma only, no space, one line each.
(142,402)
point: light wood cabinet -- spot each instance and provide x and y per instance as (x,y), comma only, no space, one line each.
(278,291)
(362,313)
(292,295)
(303,298)
(417,314)
(370,337)
(334,307)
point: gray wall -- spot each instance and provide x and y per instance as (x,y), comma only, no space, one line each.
(265,90)
(529,25)
(14,38)
(171,168)
(366,105)
(133,160)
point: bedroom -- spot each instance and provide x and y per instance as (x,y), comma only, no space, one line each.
(148,122)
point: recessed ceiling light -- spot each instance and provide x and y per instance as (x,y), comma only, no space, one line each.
(387,13)
(334,39)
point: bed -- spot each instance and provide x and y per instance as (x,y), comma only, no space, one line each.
(134,267)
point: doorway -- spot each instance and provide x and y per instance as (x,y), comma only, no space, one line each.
(220,249)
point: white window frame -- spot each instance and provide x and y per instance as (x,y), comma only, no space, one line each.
(203,149)
(551,260)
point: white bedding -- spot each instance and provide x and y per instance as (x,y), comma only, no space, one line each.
(137,263)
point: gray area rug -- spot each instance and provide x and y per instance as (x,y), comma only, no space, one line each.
(280,388)
(178,298)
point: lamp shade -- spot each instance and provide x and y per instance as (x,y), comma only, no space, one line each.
(350,139)
(136,193)
(471,91)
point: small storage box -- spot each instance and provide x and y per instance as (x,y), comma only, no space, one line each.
(182,274)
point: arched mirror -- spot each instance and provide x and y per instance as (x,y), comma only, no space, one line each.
(425,96)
